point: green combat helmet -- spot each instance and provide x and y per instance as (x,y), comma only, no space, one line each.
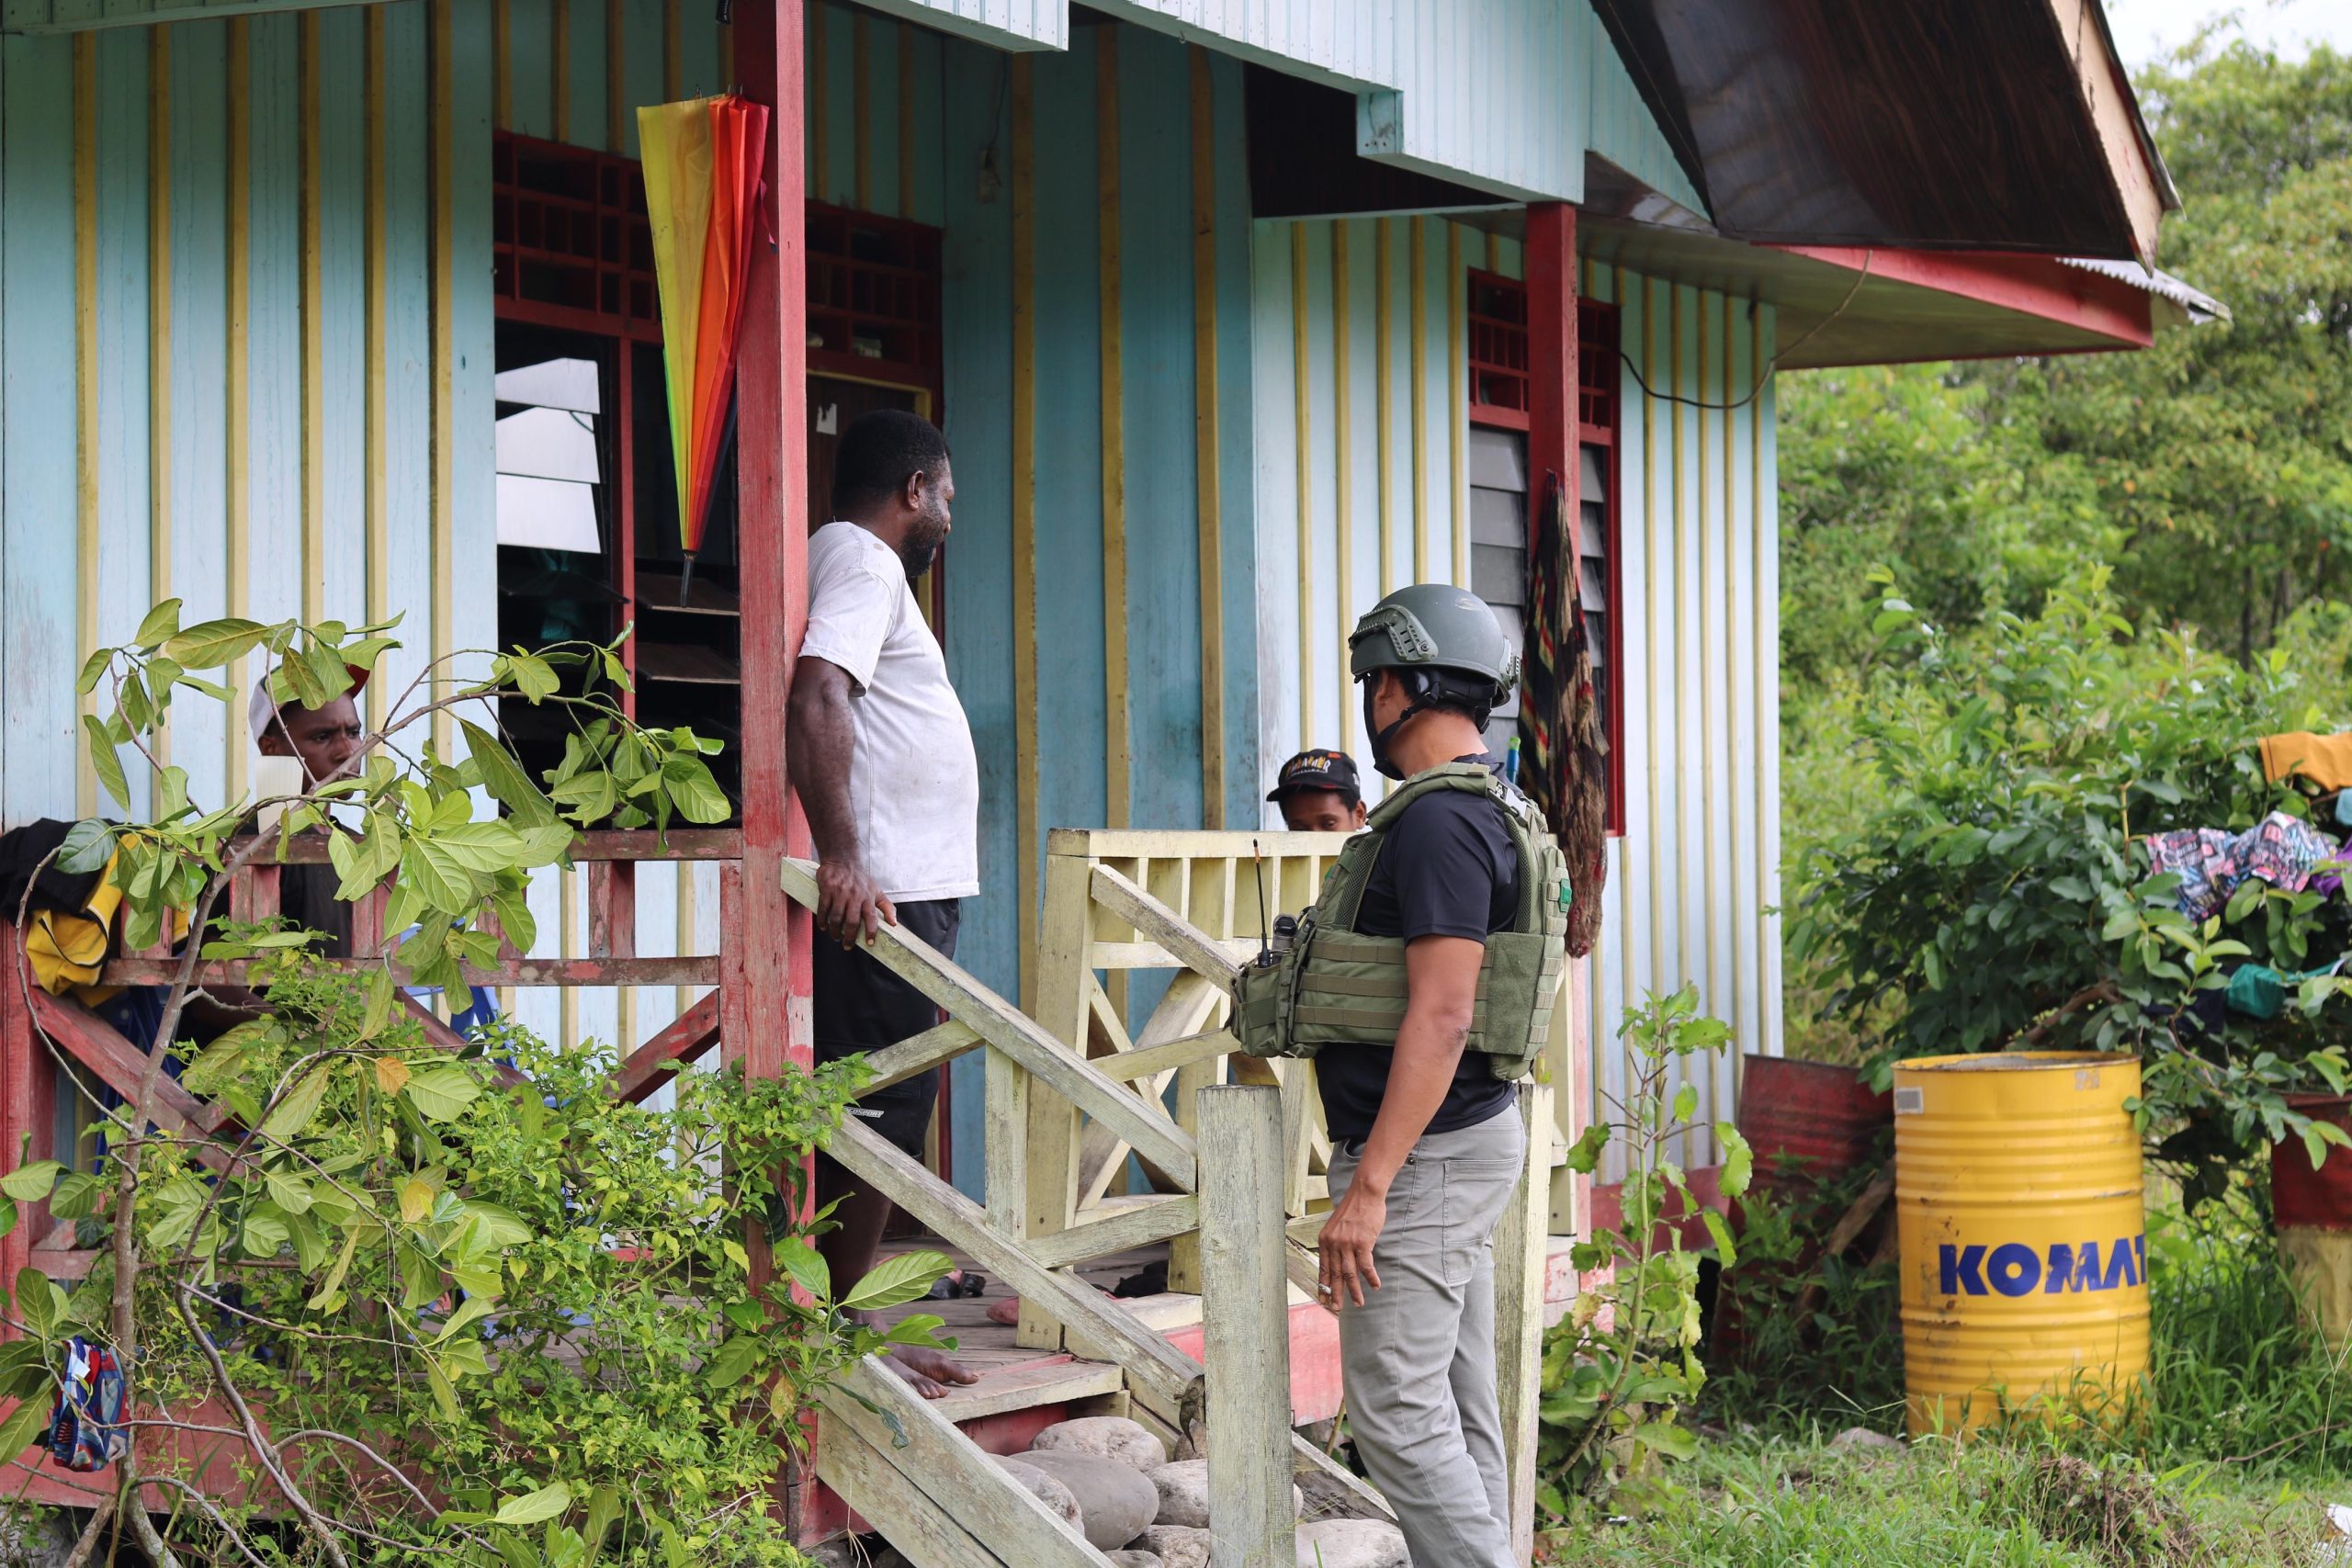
(1442,641)
(1333,985)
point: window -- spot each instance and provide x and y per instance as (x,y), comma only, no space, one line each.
(1500,488)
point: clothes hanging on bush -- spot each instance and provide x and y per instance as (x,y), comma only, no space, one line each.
(2285,852)
(2326,759)
(2260,991)
(85,1430)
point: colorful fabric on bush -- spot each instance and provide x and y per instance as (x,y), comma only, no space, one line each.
(85,1430)
(2326,759)
(2285,852)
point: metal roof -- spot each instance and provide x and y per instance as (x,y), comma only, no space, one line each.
(2199,306)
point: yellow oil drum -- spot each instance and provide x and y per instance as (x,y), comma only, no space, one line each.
(2022,1225)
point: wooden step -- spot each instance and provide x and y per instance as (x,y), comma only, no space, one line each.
(1028,1385)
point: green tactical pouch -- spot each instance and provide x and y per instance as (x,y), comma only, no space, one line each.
(1336,986)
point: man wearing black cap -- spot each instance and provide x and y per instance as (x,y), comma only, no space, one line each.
(1318,792)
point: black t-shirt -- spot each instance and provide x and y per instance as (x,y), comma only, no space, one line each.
(1446,869)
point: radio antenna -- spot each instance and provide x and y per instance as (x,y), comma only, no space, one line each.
(1265,925)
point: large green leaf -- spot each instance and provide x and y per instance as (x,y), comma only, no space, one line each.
(439,1092)
(106,759)
(30,1183)
(35,1301)
(503,777)
(208,645)
(896,1280)
(295,1109)
(537,1507)
(24,1425)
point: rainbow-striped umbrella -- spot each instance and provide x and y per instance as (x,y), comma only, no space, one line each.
(703,165)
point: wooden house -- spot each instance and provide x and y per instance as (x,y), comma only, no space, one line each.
(1236,315)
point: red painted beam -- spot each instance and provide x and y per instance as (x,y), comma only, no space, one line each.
(1552,354)
(2040,287)
(687,1036)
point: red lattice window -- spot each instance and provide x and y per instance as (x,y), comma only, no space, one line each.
(1498,350)
(571,244)
(873,298)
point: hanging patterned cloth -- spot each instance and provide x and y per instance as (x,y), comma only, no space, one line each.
(1565,767)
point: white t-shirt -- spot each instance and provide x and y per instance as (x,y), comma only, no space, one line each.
(914,780)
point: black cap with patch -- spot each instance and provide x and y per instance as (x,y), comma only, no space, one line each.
(1318,770)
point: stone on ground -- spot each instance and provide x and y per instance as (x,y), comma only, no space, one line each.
(1352,1543)
(1046,1489)
(1115,1501)
(1865,1441)
(1106,1437)
(1183,1489)
(1136,1558)
(1177,1546)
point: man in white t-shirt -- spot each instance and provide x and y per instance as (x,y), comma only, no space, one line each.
(882,756)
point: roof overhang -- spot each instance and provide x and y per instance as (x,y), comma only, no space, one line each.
(2004,124)
(1852,306)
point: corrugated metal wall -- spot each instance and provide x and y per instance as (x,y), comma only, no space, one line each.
(1365,498)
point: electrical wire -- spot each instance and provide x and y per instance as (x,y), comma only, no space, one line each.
(1770,369)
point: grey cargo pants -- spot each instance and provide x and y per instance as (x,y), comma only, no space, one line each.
(1418,1358)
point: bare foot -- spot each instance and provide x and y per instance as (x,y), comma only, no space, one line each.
(929,1371)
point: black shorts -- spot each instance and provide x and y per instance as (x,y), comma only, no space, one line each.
(861,1006)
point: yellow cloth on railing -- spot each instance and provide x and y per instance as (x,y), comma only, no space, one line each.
(2324,759)
(68,948)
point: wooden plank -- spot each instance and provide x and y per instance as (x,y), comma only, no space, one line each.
(702,971)
(1207,483)
(1161,1376)
(927,1534)
(1302,390)
(1026,800)
(1029,1385)
(612,910)
(1154,919)
(1246,1327)
(1012,1033)
(648,1068)
(1309,1459)
(1149,1062)
(1118,743)
(942,1463)
(1044,1130)
(94,1042)
(1522,1261)
(1119,955)
(1140,1225)
(919,1054)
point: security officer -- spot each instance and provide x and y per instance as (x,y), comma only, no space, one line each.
(1428,1144)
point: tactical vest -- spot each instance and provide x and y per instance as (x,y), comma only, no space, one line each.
(1337,987)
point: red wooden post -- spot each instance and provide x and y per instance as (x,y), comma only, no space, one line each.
(1552,353)
(25,1106)
(768,1024)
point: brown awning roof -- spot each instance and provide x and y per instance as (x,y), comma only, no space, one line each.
(1935,124)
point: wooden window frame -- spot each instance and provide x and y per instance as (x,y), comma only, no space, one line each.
(1493,367)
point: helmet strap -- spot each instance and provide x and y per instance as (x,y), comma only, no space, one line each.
(1423,692)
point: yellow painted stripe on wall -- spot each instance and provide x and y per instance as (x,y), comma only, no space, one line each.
(377,480)
(1302,439)
(559,67)
(906,120)
(673,51)
(377,502)
(567,936)
(159,332)
(1418,362)
(1653,617)
(238,392)
(1383,425)
(1709,613)
(617,104)
(1208,478)
(1764,659)
(819,98)
(1457,382)
(1342,417)
(502,64)
(314,391)
(85,386)
(1024,507)
(444,371)
(689,937)
(860,52)
(1118,754)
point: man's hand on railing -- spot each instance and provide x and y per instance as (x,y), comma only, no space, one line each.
(851,906)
